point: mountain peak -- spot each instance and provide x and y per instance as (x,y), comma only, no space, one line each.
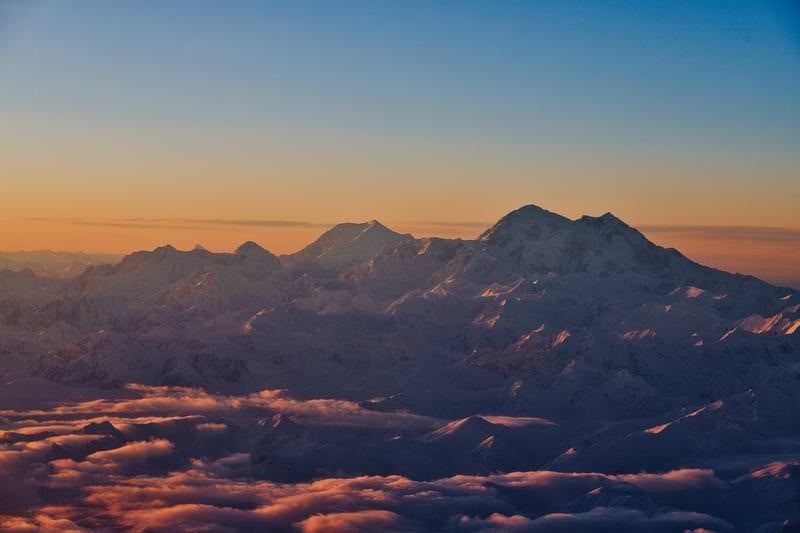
(167,248)
(258,260)
(528,223)
(347,244)
(250,248)
(607,219)
(530,212)
(352,229)
(529,209)
(610,217)
(378,227)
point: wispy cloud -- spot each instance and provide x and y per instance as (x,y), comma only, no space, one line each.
(772,234)
(729,233)
(189,224)
(424,227)
(129,225)
(238,222)
(441,228)
(450,224)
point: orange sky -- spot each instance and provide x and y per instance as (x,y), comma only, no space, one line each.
(125,198)
(771,253)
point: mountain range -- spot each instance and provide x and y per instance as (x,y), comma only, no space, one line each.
(544,344)
(537,297)
(53,264)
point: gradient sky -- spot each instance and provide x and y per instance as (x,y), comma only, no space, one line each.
(124,125)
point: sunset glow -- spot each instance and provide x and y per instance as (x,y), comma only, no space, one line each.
(101,138)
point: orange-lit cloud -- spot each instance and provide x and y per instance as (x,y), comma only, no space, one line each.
(190,401)
(125,479)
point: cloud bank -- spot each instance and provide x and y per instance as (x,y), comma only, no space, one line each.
(165,459)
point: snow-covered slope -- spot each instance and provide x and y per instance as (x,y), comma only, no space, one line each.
(346,245)
(585,313)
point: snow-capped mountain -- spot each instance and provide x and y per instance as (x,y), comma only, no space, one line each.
(589,308)
(346,245)
(546,343)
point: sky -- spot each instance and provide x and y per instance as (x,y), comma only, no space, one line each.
(127,125)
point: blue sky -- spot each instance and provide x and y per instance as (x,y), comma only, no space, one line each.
(650,75)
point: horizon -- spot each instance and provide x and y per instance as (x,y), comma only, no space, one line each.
(699,243)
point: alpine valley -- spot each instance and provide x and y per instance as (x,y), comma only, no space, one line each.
(550,375)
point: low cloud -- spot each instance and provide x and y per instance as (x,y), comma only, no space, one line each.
(616,519)
(195,499)
(191,401)
(212,427)
(675,481)
(355,522)
(43,521)
(133,452)
(166,458)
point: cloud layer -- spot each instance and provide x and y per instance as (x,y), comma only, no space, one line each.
(166,458)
